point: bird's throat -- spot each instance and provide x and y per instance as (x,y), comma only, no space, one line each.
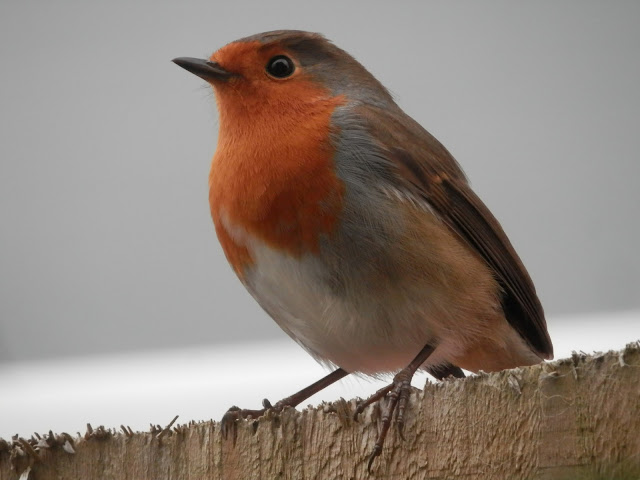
(273,177)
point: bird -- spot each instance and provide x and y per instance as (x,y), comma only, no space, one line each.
(354,228)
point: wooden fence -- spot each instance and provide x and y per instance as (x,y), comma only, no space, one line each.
(573,419)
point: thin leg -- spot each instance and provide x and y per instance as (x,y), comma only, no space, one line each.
(398,392)
(234,413)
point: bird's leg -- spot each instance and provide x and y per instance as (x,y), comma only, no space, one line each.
(398,393)
(234,414)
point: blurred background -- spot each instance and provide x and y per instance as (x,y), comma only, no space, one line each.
(116,302)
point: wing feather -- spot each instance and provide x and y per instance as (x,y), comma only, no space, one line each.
(426,169)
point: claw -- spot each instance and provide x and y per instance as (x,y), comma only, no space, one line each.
(400,426)
(376,452)
(229,422)
(360,406)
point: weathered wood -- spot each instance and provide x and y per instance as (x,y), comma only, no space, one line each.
(577,419)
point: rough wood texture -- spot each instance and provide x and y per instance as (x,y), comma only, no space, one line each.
(575,419)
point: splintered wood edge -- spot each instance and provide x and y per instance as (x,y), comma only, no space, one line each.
(20,454)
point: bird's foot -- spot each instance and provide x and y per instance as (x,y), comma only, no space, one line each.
(229,422)
(397,395)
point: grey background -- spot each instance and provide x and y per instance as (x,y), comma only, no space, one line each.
(106,243)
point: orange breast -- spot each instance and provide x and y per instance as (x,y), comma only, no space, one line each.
(272,175)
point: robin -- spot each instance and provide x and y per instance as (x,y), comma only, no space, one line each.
(354,228)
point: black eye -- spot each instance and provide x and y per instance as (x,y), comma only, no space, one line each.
(280,66)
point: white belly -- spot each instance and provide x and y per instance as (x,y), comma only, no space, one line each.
(352,330)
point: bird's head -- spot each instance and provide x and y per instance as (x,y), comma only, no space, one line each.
(284,71)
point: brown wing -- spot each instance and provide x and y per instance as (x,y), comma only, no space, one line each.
(424,167)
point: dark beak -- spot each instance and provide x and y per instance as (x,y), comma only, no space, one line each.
(205,69)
